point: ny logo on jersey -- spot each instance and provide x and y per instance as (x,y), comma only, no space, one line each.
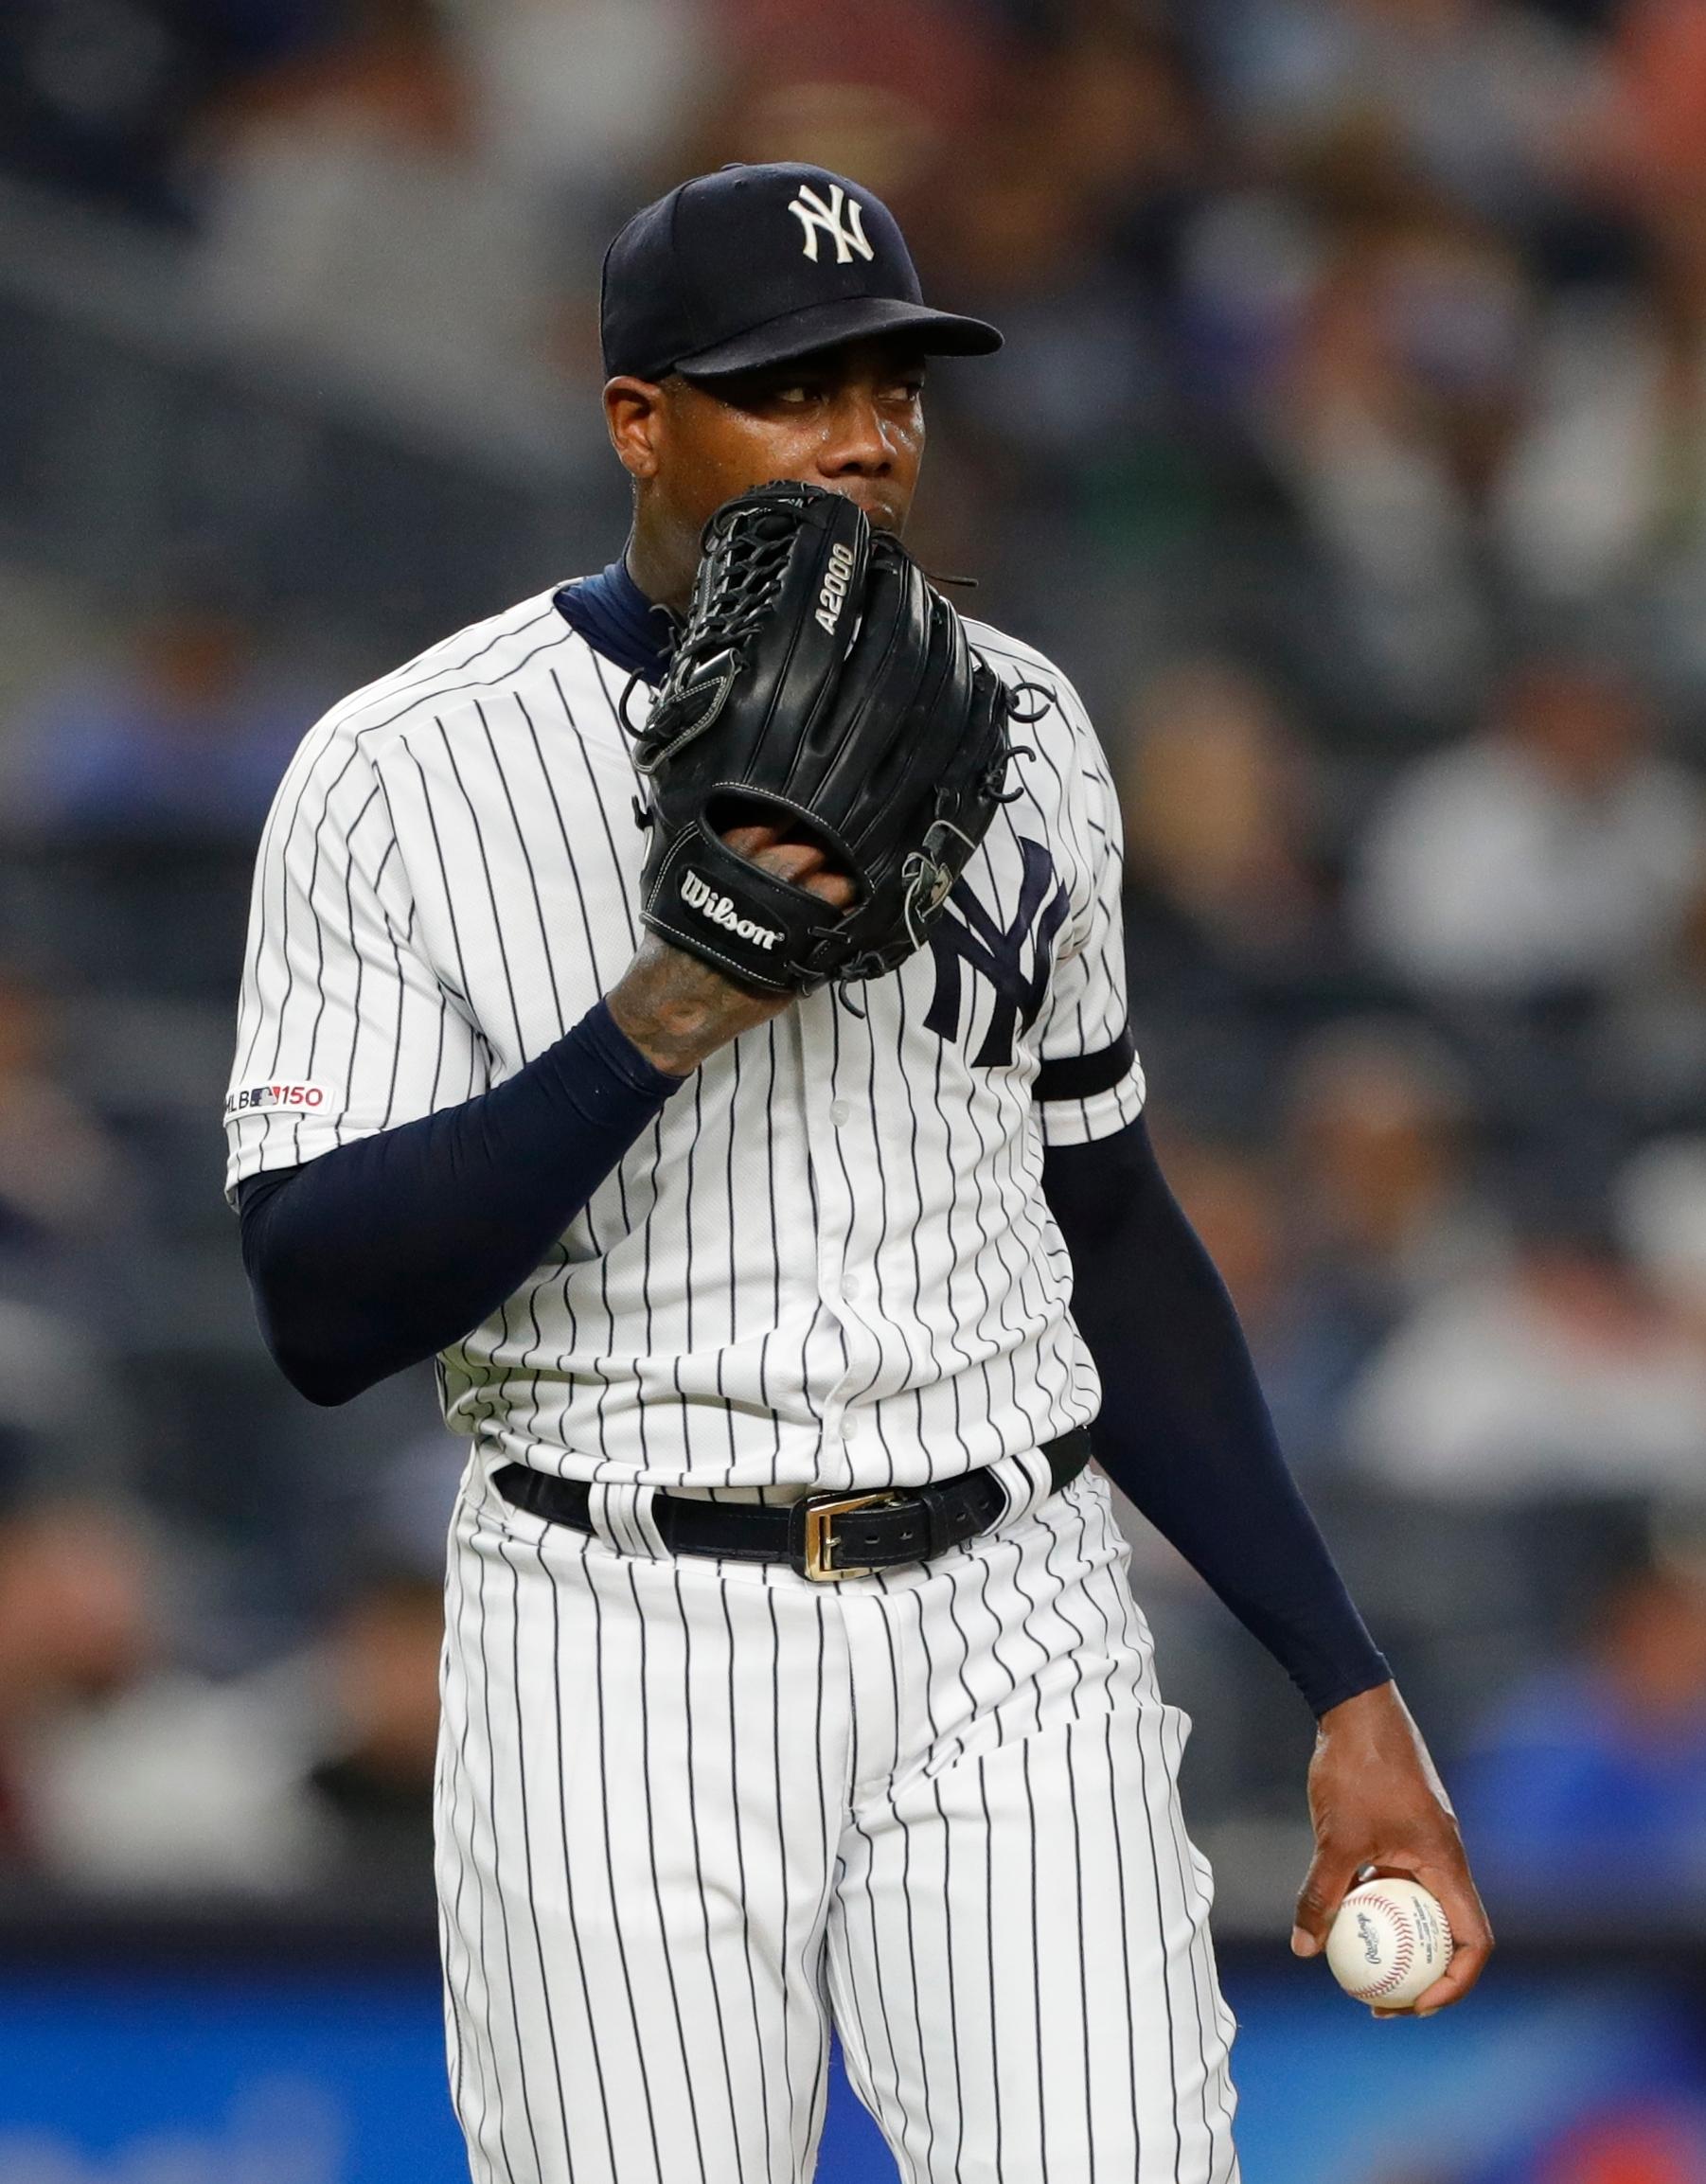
(814,214)
(998,951)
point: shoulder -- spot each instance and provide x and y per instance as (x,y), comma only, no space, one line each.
(506,653)
(1061,734)
(1015,660)
(1018,663)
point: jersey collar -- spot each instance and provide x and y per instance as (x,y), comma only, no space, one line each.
(617,618)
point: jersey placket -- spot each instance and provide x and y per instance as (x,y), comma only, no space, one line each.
(841,1280)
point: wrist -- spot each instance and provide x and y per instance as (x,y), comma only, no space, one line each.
(1368,1713)
(670,1039)
(1374,1700)
(677,1011)
(600,1040)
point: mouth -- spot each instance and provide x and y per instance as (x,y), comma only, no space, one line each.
(880,509)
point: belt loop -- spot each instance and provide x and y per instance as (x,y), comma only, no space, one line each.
(621,1517)
(1026,1480)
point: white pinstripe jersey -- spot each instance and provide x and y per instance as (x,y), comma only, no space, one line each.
(829,1261)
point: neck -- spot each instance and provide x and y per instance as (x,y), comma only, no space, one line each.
(663,569)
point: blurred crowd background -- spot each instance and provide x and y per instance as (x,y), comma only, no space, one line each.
(1349,451)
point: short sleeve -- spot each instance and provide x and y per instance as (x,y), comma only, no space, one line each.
(344,1029)
(1091,1083)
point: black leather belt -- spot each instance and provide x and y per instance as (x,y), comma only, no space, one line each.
(825,1536)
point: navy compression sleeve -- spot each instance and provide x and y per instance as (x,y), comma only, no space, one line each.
(1184,1430)
(381,1252)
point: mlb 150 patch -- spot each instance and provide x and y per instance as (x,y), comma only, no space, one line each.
(262,1098)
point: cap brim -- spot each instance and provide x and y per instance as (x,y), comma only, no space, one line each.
(825,325)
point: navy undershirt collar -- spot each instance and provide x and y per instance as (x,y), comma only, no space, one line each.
(617,619)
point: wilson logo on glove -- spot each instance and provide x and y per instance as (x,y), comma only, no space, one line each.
(699,895)
(833,597)
(895,746)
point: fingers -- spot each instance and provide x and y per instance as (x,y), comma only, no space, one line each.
(806,867)
(1469,1961)
(1325,1884)
(1471,1934)
(801,863)
(748,841)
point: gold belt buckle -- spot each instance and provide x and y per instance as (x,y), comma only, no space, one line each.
(820,1513)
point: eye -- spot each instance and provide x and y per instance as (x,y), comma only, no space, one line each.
(795,395)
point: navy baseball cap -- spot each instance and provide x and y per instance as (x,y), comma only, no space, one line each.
(755,265)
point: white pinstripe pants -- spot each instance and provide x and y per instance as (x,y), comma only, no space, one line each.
(690,1809)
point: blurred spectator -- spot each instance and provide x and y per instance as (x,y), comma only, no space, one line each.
(1390,420)
(184,739)
(400,1507)
(1588,1784)
(1249,262)
(62,1180)
(1660,1209)
(124,1768)
(1648,1051)
(1306,1337)
(95,96)
(372,1791)
(1561,1376)
(1230,926)
(61,1406)
(1379,1140)
(887,90)
(1552,852)
(588,98)
(1656,131)
(356,219)
(1081,374)
(1479,98)
(72,1629)
(1217,795)
(1367,1213)
(1605,488)
(1057,223)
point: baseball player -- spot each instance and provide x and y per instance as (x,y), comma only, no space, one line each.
(791,1672)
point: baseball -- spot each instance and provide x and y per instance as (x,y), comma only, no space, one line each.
(1389,1942)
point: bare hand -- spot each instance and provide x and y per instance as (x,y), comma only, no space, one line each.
(678,1010)
(1375,1800)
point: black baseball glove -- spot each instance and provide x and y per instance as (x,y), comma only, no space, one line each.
(821,686)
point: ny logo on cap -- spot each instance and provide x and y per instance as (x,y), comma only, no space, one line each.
(813,215)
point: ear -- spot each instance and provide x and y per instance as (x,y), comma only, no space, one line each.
(634,417)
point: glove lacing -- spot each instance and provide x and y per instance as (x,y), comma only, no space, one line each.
(751,548)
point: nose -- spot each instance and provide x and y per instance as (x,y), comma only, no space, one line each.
(856,442)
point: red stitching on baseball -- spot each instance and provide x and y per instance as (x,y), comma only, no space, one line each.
(1406,1951)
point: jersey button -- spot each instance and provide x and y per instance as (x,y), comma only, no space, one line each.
(840,1113)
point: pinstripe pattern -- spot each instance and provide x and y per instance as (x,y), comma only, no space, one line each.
(830,1262)
(686,1810)
(941,1805)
